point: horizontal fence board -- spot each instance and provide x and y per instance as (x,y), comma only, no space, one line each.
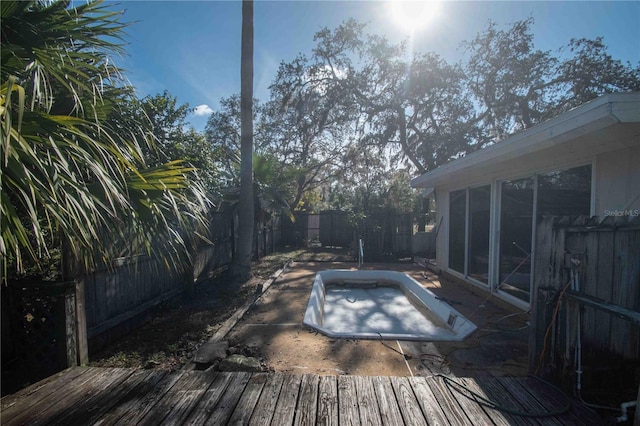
(137,283)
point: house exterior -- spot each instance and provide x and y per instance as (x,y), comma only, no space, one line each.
(583,162)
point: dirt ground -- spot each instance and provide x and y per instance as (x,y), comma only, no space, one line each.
(272,329)
(173,331)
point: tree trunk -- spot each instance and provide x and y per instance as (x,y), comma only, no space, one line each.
(242,263)
(404,141)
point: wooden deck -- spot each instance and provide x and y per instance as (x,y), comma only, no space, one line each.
(87,395)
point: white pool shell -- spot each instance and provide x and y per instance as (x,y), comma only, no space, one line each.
(442,322)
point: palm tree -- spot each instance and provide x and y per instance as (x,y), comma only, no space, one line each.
(72,160)
(242,261)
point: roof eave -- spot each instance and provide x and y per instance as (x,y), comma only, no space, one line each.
(600,113)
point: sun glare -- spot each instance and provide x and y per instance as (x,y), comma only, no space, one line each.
(415,15)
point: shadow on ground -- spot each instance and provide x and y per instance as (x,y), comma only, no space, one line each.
(274,328)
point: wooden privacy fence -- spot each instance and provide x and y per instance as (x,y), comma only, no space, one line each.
(586,309)
(302,231)
(268,237)
(383,234)
(114,296)
(424,244)
(36,340)
(336,229)
(387,234)
(48,326)
(211,257)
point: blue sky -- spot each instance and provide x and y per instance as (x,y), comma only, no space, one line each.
(192,48)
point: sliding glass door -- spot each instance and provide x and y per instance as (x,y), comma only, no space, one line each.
(457,229)
(523,203)
(516,222)
(474,252)
(479,222)
(469,221)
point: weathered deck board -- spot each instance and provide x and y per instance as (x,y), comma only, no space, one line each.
(102,396)
(308,401)
(452,409)
(152,396)
(286,406)
(18,403)
(407,403)
(211,397)
(327,414)
(248,400)
(132,401)
(225,406)
(21,412)
(178,400)
(530,405)
(389,410)
(496,392)
(111,399)
(553,400)
(92,402)
(367,401)
(266,405)
(495,417)
(428,402)
(348,413)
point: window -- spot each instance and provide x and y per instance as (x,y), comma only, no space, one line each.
(565,192)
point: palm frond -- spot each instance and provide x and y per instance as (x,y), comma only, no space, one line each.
(71,163)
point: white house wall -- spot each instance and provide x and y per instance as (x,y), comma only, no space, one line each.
(617,182)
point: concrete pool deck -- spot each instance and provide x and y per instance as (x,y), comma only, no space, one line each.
(273,326)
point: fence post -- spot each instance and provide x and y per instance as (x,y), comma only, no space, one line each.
(70,325)
(273,238)
(549,243)
(81,322)
(264,237)
(636,420)
(72,270)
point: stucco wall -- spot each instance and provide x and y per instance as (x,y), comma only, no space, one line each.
(617,182)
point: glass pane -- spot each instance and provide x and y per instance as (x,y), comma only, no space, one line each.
(565,192)
(516,220)
(479,203)
(457,229)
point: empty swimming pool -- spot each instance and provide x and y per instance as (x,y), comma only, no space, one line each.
(381,304)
